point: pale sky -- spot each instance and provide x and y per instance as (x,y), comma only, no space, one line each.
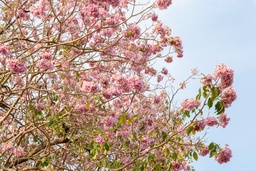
(214,32)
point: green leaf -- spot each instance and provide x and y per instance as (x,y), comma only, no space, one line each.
(219,108)
(106,146)
(123,119)
(195,156)
(174,156)
(204,94)
(142,126)
(212,153)
(199,94)
(164,135)
(211,146)
(186,113)
(210,103)
(221,111)
(189,130)
(215,93)
(198,97)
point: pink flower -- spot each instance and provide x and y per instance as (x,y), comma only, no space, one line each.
(44,64)
(223,120)
(168,59)
(160,78)
(137,83)
(224,156)
(204,151)
(22,14)
(109,121)
(154,17)
(164,71)
(92,10)
(3,60)
(190,104)
(163,4)
(226,75)
(46,55)
(4,50)
(132,32)
(40,106)
(229,96)
(180,55)
(17,79)
(211,121)
(207,80)
(89,87)
(17,66)
(99,140)
(19,152)
(200,125)
(6,147)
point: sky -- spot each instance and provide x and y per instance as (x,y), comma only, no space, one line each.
(214,32)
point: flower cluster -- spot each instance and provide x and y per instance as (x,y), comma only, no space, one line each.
(44,64)
(190,104)
(163,4)
(17,151)
(226,75)
(204,151)
(132,32)
(228,96)
(224,120)
(224,155)
(207,80)
(17,66)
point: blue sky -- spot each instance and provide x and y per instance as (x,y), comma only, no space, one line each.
(214,32)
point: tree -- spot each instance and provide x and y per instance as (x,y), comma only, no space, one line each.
(80,91)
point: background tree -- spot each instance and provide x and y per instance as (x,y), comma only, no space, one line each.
(80,91)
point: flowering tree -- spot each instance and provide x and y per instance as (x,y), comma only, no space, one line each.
(79,90)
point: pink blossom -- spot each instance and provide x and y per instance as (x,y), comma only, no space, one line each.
(3,60)
(44,64)
(204,151)
(46,55)
(99,140)
(18,151)
(160,78)
(180,55)
(223,120)
(17,66)
(92,10)
(164,71)
(163,4)
(207,80)
(89,87)
(4,50)
(226,75)
(40,106)
(132,32)
(109,121)
(211,121)
(7,147)
(190,104)
(200,125)
(137,83)
(17,79)
(154,17)
(168,59)
(224,156)
(22,14)
(176,166)
(229,96)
